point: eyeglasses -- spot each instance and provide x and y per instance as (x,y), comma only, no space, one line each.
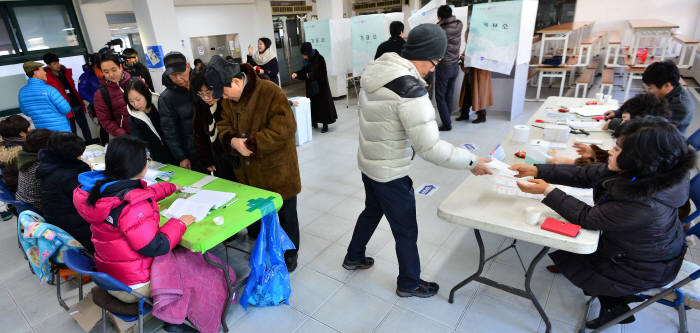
(435,63)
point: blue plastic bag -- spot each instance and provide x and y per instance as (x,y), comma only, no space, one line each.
(268,282)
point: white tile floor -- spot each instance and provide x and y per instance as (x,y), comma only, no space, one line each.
(327,298)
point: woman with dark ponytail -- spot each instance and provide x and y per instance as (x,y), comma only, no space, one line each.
(124,217)
(636,199)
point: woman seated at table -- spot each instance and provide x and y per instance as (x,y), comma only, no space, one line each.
(124,217)
(642,105)
(637,195)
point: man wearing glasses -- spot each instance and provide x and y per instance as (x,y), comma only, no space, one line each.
(396,121)
(135,68)
(176,106)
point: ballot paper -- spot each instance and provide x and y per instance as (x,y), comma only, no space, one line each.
(199,204)
(583,194)
(152,176)
(586,124)
(214,199)
(501,168)
(182,207)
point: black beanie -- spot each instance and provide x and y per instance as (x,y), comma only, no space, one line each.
(49,58)
(425,42)
(306,48)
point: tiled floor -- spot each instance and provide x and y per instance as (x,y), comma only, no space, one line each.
(327,298)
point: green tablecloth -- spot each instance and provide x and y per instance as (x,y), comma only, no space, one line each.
(204,235)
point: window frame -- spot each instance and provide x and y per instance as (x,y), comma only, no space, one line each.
(17,39)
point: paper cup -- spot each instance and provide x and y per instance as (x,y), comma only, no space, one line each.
(532,215)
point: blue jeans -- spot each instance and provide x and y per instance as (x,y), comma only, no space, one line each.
(445,77)
(394,199)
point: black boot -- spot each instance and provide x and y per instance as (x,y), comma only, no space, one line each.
(445,128)
(463,116)
(290,259)
(608,313)
(480,117)
(325,128)
(314,125)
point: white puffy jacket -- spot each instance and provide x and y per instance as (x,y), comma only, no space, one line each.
(393,120)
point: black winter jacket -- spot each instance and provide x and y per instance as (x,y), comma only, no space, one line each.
(139,128)
(642,241)
(453,30)
(393,44)
(59,177)
(176,107)
(138,69)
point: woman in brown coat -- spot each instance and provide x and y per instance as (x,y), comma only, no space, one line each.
(477,91)
(258,126)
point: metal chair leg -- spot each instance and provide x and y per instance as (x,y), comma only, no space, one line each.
(80,287)
(57,280)
(682,320)
(582,329)
(140,323)
(104,321)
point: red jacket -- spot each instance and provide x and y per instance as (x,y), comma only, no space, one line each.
(53,81)
(116,120)
(116,246)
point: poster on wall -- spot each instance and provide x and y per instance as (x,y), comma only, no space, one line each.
(493,36)
(368,31)
(318,33)
(154,56)
(331,38)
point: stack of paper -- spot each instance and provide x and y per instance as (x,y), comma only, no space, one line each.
(199,204)
(153,175)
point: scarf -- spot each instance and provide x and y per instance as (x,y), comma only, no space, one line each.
(263,58)
(307,62)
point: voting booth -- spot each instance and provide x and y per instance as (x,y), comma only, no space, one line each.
(331,38)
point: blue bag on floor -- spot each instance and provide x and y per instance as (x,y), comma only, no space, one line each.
(268,282)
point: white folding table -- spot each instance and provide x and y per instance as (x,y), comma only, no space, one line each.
(477,205)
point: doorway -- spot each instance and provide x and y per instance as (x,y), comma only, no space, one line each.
(288,40)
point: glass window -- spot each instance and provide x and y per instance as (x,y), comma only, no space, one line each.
(5,40)
(45,27)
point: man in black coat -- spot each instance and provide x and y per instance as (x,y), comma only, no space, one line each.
(394,43)
(176,107)
(135,68)
(58,172)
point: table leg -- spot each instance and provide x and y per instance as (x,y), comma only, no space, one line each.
(527,293)
(228,286)
(528,287)
(480,242)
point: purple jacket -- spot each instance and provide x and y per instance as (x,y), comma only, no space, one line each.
(183,285)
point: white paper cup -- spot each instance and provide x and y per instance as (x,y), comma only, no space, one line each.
(532,215)
(219,220)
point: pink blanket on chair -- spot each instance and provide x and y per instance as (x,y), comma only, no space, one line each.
(184,285)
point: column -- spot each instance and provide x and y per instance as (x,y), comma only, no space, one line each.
(157,26)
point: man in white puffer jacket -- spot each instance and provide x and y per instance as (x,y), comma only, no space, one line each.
(395,115)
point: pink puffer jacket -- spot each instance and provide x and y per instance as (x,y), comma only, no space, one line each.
(116,246)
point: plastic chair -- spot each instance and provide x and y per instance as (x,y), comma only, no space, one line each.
(684,292)
(83,264)
(694,140)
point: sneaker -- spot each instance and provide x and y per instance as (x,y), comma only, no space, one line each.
(425,289)
(6,215)
(352,265)
(444,128)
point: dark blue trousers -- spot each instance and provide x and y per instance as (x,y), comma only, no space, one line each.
(445,78)
(394,199)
